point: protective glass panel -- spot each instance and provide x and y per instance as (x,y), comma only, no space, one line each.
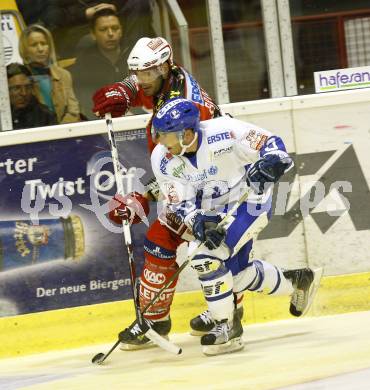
(76,48)
(244,47)
(331,34)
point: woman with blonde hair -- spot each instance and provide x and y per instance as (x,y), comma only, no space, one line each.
(53,84)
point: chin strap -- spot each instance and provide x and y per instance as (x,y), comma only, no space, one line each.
(184,147)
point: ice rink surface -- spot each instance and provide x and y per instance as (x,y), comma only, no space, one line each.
(313,353)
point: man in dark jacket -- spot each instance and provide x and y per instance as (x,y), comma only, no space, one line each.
(101,64)
(27,111)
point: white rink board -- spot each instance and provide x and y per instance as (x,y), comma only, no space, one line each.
(313,124)
(336,128)
(336,123)
(310,125)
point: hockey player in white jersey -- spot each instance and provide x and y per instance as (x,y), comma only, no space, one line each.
(203,169)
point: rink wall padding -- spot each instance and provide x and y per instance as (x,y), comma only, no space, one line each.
(73,291)
(96,324)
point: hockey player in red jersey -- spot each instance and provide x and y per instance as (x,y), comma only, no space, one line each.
(154,79)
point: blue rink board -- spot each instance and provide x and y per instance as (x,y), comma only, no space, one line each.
(44,276)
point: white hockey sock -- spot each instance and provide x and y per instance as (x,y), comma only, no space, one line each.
(219,296)
(264,277)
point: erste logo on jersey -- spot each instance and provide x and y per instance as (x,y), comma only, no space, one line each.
(164,161)
(218,137)
(196,94)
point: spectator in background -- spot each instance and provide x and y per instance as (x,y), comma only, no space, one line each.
(68,20)
(102,63)
(27,111)
(53,84)
(71,32)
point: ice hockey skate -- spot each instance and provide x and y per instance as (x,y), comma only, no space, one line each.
(225,337)
(133,337)
(203,323)
(305,283)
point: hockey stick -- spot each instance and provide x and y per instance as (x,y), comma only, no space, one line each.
(149,332)
(100,357)
(225,220)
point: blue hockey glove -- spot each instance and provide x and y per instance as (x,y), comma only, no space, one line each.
(204,230)
(268,169)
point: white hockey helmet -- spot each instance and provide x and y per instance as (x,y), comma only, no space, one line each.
(149,52)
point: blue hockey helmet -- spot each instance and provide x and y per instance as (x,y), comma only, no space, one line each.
(177,115)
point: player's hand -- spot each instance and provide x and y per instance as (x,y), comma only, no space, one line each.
(268,169)
(204,230)
(132,208)
(115,99)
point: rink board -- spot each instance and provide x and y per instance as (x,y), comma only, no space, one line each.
(328,135)
(94,324)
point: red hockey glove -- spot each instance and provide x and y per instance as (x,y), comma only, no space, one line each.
(132,207)
(115,98)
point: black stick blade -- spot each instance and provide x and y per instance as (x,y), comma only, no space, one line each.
(98,358)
